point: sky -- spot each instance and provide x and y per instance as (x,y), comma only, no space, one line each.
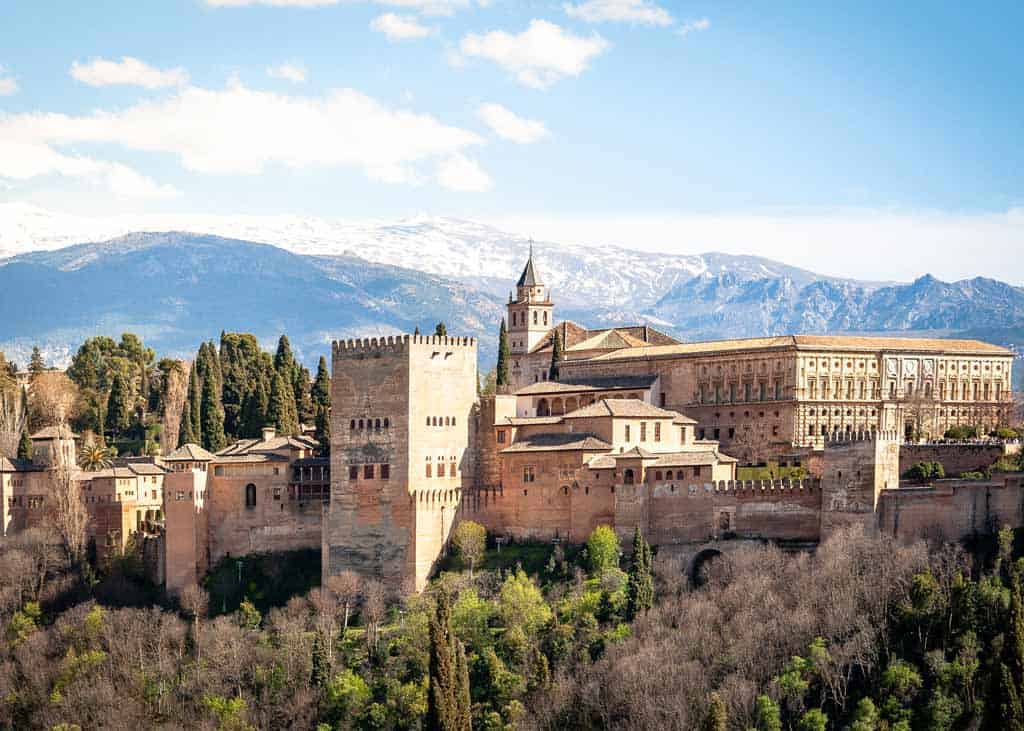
(867,139)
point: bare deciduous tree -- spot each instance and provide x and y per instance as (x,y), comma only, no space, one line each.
(346,587)
(374,607)
(53,399)
(70,516)
(196,602)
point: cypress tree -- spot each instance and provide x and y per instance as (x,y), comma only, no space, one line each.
(503,355)
(716,717)
(281,412)
(119,410)
(556,356)
(1004,707)
(323,429)
(284,361)
(303,398)
(321,674)
(441,329)
(195,399)
(640,590)
(254,410)
(321,391)
(25,444)
(188,433)
(448,693)
(36,365)
(213,417)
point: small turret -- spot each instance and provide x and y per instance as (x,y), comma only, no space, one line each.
(530,312)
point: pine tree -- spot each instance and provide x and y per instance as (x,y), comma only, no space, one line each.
(281,412)
(212,417)
(503,355)
(441,329)
(25,444)
(119,410)
(556,356)
(36,365)
(448,693)
(321,390)
(640,590)
(1004,706)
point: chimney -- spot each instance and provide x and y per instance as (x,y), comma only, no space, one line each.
(269,433)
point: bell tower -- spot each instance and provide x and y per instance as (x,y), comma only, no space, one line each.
(530,312)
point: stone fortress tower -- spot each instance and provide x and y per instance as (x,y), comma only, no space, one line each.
(402,426)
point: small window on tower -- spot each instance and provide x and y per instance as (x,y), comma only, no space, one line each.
(353,472)
(368,472)
(385,472)
(535,317)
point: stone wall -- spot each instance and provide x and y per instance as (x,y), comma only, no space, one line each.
(954,458)
(185,548)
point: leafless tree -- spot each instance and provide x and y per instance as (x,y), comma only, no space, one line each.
(53,399)
(173,391)
(374,607)
(70,515)
(12,421)
(346,587)
(196,602)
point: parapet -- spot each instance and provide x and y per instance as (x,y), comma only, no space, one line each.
(358,347)
(839,438)
(766,486)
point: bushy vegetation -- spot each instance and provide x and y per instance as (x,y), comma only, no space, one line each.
(924,471)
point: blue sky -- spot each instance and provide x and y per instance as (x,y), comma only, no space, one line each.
(782,128)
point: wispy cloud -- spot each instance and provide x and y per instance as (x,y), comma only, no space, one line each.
(242,131)
(641,12)
(425,7)
(540,55)
(400,27)
(510,126)
(693,26)
(8,84)
(128,71)
(291,71)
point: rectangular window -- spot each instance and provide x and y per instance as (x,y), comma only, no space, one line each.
(696,471)
(761,390)
(528,475)
(368,472)
(661,399)
(700,433)
(657,431)
(732,432)
(627,432)
(501,436)
(353,472)
(385,472)
(732,393)
(746,392)
(643,431)
(778,390)
(440,469)
(716,433)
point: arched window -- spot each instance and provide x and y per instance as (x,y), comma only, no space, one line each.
(440,469)
(376,424)
(453,421)
(679,475)
(513,319)
(360,423)
(250,495)
(352,425)
(429,470)
(447,421)
(545,318)
(387,422)
(428,421)
(627,477)
(535,317)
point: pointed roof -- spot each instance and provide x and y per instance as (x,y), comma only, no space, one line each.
(529,276)
(189,453)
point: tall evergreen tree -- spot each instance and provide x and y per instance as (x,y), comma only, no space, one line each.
(25,444)
(640,589)
(119,408)
(321,391)
(36,365)
(716,718)
(303,396)
(448,693)
(240,363)
(323,429)
(556,356)
(254,410)
(441,329)
(1004,707)
(212,417)
(284,360)
(190,431)
(503,355)
(281,412)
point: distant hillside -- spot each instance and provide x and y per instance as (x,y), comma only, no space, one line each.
(176,289)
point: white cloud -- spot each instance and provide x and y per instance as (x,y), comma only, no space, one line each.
(239,130)
(128,71)
(400,27)
(694,25)
(629,11)
(460,173)
(540,55)
(8,84)
(426,7)
(510,126)
(293,72)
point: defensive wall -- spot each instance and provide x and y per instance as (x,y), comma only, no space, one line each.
(957,457)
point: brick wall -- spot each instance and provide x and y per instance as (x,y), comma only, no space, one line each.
(954,458)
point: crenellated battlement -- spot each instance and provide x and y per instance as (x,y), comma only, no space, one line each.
(358,347)
(840,438)
(750,487)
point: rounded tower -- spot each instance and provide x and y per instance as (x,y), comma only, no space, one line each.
(530,312)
